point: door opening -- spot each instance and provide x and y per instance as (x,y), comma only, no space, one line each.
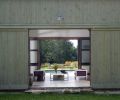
(36,57)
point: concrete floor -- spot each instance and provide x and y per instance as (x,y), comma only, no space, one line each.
(79,82)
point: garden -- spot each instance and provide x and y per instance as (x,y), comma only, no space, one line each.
(58,52)
(68,65)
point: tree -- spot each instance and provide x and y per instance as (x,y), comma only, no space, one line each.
(57,51)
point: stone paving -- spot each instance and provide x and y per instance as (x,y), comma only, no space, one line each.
(71,82)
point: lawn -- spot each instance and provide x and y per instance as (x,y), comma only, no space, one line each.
(57,96)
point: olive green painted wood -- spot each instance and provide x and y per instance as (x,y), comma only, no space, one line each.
(13,59)
(105,59)
(71,12)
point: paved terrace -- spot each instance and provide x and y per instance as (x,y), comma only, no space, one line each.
(71,83)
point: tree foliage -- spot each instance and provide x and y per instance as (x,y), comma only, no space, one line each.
(57,51)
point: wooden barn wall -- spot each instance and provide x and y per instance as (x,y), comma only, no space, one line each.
(105,59)
(47,12)
(13,59)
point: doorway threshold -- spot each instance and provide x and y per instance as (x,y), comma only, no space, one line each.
(59,90)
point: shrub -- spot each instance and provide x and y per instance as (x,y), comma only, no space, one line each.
(55,67)
(74,64)
(67,63)
(45,65)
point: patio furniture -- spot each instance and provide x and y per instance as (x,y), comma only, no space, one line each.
(39,75)
(59,76)
(56,76)
(81,73)
(65,73)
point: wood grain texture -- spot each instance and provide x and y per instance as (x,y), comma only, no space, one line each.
(105,59)
(13,59)
(46,12)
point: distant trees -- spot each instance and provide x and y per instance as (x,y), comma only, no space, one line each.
(57,51)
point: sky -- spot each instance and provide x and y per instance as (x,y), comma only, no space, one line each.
(75,43)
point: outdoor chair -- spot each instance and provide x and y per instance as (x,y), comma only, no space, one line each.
(81,73)
(39,75)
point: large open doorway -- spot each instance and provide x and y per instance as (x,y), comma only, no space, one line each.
(73,78)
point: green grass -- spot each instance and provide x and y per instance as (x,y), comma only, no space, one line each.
(57,96)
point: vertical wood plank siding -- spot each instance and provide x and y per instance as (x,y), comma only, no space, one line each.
(105,59)
(105,44)
(45,12)
(13,59)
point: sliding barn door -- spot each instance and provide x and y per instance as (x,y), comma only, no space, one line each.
(14,69)
(105,59)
